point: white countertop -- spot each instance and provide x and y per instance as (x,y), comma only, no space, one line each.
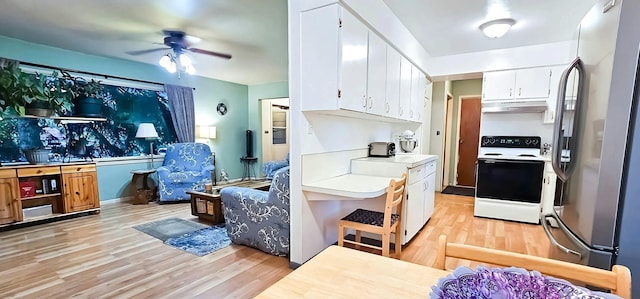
(409,160)
(356,186)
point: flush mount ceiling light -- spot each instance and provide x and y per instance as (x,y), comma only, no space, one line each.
(497,28)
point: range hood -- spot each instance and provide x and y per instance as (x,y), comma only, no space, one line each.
(515,106)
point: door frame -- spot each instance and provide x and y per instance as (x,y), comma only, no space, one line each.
(447,140)
(467,97)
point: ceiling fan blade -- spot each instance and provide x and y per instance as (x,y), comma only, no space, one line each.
(140,52)
(222,55)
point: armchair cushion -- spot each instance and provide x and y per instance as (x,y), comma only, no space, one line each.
(259,219)
(186,166)
(270,167)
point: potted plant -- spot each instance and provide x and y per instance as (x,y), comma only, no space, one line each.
(36,94)
(86,95)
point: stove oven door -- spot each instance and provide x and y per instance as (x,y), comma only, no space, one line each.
(514,180)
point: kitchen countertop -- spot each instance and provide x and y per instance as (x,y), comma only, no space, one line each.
(409,160)
(356,186)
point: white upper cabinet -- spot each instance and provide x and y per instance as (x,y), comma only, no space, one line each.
(498,85)
(417,94)
(404,107)
(516,84)
(377,75)
(393,83)
(353,83)
(533,83)
(348,70)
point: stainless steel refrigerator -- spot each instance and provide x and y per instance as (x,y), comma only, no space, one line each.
(598,220)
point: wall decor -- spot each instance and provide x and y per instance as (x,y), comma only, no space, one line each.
(123,107)
(222,109)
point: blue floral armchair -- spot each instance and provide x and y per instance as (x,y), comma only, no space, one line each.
(259,219)
(270,167)
(186,166)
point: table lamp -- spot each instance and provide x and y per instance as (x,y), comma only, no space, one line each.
(147,131)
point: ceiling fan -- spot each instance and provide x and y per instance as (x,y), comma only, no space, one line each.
(179,42)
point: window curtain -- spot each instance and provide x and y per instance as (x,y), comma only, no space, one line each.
(182,111)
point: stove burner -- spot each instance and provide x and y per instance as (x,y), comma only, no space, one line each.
(493,154)
(526,155)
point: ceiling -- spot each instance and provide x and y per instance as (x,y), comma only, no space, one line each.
(255,31)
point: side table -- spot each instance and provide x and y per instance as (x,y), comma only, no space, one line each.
(144,194)
(248,167)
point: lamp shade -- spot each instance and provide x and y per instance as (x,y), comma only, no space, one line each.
(208,132)
(146,130)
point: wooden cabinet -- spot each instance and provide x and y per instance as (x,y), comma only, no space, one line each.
(80,191)
(10,209)
(516,84)
(50,191)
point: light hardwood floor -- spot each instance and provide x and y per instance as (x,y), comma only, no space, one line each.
(103,256)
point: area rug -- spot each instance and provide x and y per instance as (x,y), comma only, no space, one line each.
(201,242)
(169,228)
(465,191)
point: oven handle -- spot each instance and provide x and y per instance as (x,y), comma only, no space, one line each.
(547,231)
(493,161)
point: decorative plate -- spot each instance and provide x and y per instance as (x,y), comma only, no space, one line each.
(222,109)
(507,283)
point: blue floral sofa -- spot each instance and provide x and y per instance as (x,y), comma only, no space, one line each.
(259,219)
(186,166)
(270,167)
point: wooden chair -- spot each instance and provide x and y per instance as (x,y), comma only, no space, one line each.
(378,222)
(618,280)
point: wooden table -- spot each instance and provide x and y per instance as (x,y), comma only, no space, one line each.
(208,205)
(339,272)
(144,194)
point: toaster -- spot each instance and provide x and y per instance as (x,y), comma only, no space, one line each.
(382,149)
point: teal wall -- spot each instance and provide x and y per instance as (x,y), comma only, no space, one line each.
(459,89)
(229,144)
(114,180)
(256,93)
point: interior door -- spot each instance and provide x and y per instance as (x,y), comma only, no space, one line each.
(275,129)
(469,140)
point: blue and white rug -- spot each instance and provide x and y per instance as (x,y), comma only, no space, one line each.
(203,241)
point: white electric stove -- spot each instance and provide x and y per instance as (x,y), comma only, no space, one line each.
(509,178)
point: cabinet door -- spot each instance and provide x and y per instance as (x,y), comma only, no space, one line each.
(393,83)
(353,70)
(426,127)
(80,191)
(405,89)
(417,94)
(429,196)
(376,75)
(9,201)
(498,85)
(413,209)
(533,83)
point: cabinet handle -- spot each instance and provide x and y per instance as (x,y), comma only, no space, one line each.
(425,103)
(401,110)
(410,113)
(520,91)
(424,186)
(78,169)
(388,107)
(419,115)
(370,103)
(510,92)
(364,101)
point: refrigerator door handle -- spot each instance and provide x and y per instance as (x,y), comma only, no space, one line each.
(543,221)
(556,155)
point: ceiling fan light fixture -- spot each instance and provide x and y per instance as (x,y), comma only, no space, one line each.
(165,61)
(189,69)
(497,28)
(185,60)
(172,68)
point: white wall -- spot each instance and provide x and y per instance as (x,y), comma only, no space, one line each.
(516,124)
(437,131)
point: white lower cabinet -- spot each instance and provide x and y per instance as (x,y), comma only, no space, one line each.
(548,188)
(421,180)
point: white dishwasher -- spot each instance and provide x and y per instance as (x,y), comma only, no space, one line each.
(421,180)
